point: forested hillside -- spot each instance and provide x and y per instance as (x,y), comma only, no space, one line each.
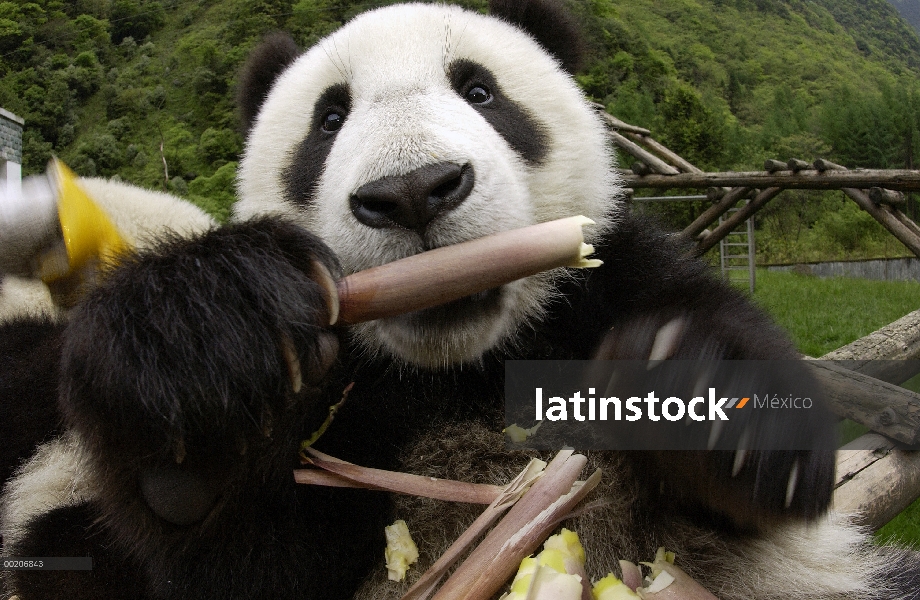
(142,89)
(910,10)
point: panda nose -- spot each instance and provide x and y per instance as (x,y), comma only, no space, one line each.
(413,200)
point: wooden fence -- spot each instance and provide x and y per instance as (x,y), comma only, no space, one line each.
(878,474)
(877,191)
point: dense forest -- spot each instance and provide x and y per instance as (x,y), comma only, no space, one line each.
(910,10)
(143,90)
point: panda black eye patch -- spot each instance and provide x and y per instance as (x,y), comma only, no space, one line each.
(478,87)
(309,157)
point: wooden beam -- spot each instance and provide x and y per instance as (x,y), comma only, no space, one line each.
(826,165)
(891,354)
(890,222)
(653,162)
(771,165)
(899,340)
(715,211)
(729,224)
(664,153)
(880,406)
(618,124)
(889,197)
(796,165)
(876,480)
(815,180)
(904,220)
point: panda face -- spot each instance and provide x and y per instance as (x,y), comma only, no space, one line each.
(419,126)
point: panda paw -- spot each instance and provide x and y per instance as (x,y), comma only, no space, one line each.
(762,465)
(198,363)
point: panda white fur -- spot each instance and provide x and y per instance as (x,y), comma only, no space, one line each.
(155,428)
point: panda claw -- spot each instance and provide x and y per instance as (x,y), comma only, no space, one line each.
(742,452)
(792,483)
(714,434)
(179,451)
(324,278)
(293,363)
(667,339)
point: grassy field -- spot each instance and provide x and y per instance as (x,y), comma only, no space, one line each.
(824,314)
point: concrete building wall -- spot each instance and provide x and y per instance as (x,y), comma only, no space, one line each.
(10,151)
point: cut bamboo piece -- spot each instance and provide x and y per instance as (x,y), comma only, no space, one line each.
(452,272)
(522,530)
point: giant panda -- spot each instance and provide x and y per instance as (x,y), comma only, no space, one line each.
(154,426)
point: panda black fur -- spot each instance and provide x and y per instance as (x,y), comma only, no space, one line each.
(187,379)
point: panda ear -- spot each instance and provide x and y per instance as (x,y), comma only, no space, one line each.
(550,23)
(269,59)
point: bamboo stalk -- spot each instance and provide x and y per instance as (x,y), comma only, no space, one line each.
(452,272)
(904,180)
(404,483)
(522,530)
(513,492)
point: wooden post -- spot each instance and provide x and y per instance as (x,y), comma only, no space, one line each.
(736,219)
(875,479)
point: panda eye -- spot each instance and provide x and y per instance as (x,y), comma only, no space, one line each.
(479,94)
(333,121)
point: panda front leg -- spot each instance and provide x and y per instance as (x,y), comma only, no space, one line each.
(759,468)
(190,377)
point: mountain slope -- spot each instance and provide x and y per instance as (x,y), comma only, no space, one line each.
(142,89)
(910,10)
